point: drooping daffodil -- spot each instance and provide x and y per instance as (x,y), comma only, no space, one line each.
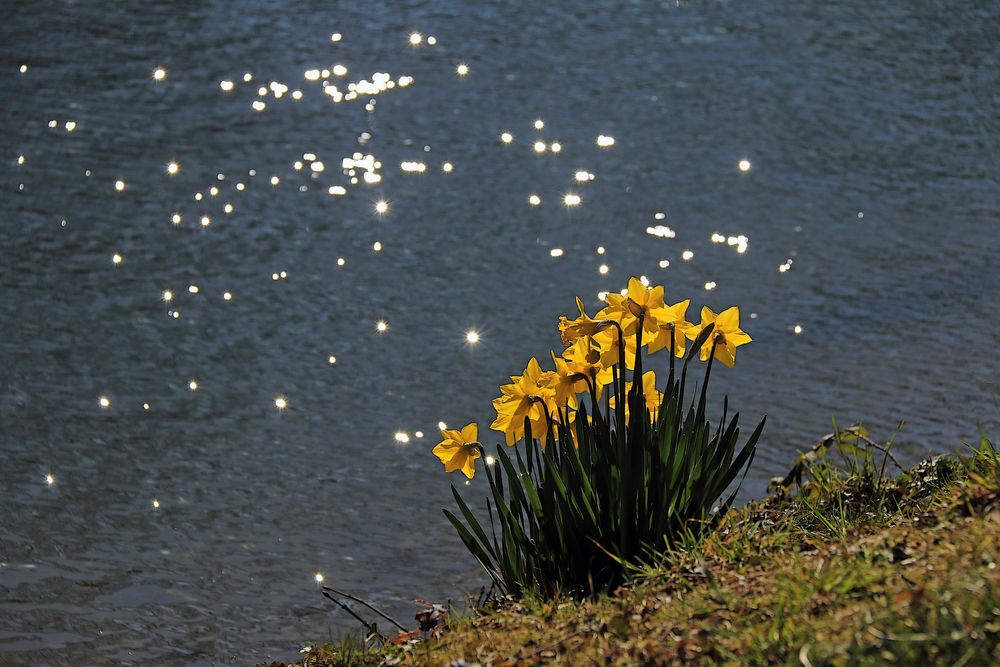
(638,303)
(584,325)
(526,396)
(459,449)
(725,337)
(578,370)
(671,319)
(609,342)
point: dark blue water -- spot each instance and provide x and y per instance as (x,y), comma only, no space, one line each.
(872,136)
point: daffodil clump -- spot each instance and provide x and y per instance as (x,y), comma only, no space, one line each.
(595,490)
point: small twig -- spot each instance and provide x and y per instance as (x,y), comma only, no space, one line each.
(370,627)
(795,474)
(830,438)
(367,604)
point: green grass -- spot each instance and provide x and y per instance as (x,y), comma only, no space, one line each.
(853,568)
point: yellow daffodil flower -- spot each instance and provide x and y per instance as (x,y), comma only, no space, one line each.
(638,302)
(460,449)
(524,397)
(650,393)
(580,362)
(671,318)
(608,342)
(571,330)
(725,338)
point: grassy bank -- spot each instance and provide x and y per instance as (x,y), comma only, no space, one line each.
(847,567)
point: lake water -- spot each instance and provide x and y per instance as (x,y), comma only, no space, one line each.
(186,526)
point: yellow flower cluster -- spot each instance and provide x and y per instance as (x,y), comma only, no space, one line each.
(547,398)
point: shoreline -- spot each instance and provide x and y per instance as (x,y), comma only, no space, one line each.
(848,568)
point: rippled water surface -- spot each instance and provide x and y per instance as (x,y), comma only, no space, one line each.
(186,526)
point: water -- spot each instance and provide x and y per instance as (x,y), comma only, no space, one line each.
(871,134)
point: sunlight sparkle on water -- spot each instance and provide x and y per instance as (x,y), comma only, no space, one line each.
(416,38)
(226,85)
(381,326)
(461,69)
(539,146)
(539,124)
(332,359)
(534,200)
(120,185)
(381,207)
(661,231)
(571,199)
(603,269)
(117,259)
(556,252)
(797,329)
(402,438)
(744,165)
(319,577)
(173,168)
(193,385)
(506,137)
(104,402)
(50,479)
(605,141)
(168,295)
(472,337)
(280,402)
(555,147)
(159,74)
(447,167)
(442,426)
